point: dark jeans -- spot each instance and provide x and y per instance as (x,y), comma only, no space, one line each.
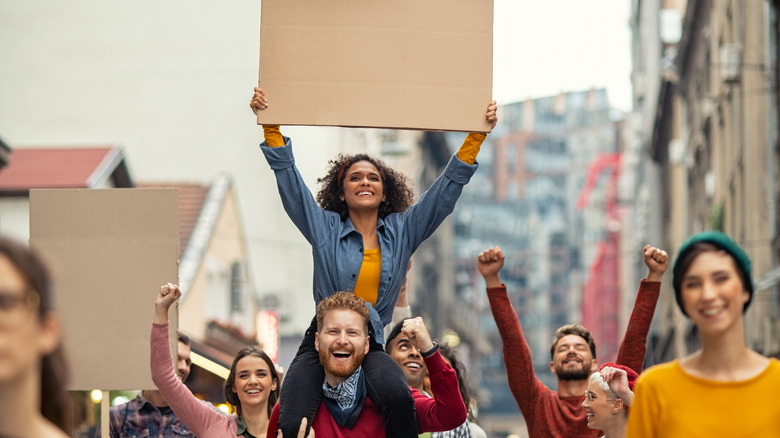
(385,382)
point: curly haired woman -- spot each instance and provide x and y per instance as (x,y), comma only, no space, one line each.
(363,229)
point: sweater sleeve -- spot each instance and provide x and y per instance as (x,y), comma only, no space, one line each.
(445,411)
(422,218)
(273,136)
(632,349)
(198,417)
(470,147)
(297,199)
(273,422)
(523,383)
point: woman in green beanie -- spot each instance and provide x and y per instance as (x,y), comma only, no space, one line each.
(725,388)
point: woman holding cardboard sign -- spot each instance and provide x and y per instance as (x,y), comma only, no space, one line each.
(33,400)
(363,228)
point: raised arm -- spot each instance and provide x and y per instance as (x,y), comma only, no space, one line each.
(517,355)
(470,147)
(632,349)
(445,411)
(297,199)
(489,263)
(617,379)
(439,200)
(402,309)
(273,136)
(198,417)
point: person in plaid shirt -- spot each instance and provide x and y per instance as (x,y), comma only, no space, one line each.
(148,413)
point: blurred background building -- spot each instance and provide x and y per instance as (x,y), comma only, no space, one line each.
(546,193)
(705,123)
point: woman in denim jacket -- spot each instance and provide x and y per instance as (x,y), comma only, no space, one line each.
(363,229)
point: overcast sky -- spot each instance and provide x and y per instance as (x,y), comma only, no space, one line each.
(543,47)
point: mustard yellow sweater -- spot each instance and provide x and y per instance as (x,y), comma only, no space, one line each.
(671,403)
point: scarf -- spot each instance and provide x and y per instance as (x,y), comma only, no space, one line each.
(345,401)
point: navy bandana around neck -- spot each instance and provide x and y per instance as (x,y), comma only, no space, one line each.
(345,401)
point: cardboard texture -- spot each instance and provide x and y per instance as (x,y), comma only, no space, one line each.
(404,64)
(110,251)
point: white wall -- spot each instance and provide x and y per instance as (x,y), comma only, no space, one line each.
(15,218)
(171,82)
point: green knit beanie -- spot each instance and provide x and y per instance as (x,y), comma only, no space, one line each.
(723,242)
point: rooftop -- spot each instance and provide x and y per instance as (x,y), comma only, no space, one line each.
(50,168)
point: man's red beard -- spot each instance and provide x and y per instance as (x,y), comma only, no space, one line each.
(342,369)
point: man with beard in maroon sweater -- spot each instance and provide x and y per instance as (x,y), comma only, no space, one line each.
(559,413)
(347,410)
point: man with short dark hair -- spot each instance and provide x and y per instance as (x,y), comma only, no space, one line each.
(407,356)
(559,413)
(148,413)
(347,410)
(410,359)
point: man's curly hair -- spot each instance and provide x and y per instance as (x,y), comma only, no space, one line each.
(398,194)
(343,301)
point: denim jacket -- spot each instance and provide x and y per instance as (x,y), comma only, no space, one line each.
(337,247)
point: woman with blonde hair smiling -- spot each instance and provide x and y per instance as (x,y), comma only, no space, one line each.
(725,389)
(608,398)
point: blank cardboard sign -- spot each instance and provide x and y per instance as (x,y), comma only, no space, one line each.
(110,251)
(406,64)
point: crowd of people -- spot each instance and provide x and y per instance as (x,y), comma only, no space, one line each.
(358,372)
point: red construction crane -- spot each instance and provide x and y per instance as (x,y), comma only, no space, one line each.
(601,293)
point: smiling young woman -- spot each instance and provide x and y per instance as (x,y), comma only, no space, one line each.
(252,386)
(607,399)
(363,228)
(709,392)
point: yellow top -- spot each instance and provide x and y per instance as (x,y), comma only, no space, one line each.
(367,284)
(467,153)
(671,403)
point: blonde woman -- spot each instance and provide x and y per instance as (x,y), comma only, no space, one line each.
(608,398)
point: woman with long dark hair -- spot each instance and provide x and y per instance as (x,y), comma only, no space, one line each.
(252,386)
(33,372)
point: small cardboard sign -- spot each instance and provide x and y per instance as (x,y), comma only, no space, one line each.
(405,64)
(110,252)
